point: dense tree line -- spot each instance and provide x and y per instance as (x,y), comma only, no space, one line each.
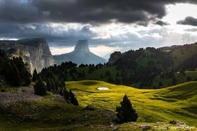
(61,71)
(144,65)
(54,77)
(14,70)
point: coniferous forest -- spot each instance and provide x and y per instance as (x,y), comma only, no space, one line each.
(14,71)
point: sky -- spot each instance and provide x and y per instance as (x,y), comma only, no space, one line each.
(108,25)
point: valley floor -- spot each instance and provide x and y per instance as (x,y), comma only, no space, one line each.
(21,110)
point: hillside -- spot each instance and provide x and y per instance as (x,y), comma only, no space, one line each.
(161,105)
(176,102)
(181,53)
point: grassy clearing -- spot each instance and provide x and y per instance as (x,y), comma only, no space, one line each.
(172,103)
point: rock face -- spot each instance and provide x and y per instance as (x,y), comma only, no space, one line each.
(114,57)
(80,55)
(34,51)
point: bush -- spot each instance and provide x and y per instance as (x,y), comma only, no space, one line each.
(172,122)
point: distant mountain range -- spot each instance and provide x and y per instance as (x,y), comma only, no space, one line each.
(35,52)
(80,55)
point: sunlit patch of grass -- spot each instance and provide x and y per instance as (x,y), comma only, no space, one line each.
(151,105)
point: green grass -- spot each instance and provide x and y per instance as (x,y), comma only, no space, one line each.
(161,103)
(172,103)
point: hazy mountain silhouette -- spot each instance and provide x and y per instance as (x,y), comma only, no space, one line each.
(80,55)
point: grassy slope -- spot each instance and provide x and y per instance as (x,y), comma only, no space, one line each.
(177,102)
(172,103)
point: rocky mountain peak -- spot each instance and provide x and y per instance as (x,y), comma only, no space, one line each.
(82,45)
(80,55)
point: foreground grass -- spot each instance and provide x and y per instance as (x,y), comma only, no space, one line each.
(172,103)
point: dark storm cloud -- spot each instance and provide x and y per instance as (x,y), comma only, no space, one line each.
(32,18)
(101,11)
(188,21)
(56,36)
(161,23)
(15,11)
(83,11)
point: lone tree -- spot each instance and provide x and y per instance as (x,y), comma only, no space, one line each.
(40,88)
(125,112)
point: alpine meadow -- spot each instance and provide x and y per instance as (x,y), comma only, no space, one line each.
(98,65)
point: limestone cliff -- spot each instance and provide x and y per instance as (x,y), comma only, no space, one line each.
(34,51)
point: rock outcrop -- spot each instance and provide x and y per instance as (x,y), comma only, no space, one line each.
(34,51)
(80,55)
(114,57)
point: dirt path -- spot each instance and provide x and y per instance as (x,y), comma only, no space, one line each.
(25,93)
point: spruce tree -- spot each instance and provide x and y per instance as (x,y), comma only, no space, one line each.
(66,95)
(49,85)
(16,79)
(35,75)
(40,88)
(125,112)
(73,99)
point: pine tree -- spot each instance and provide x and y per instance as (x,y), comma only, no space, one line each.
(35,75)
(66,95)
(125,112)
(16,79)
(73,100)
(27,78)
(40,88)
(62,87)
(49,84)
